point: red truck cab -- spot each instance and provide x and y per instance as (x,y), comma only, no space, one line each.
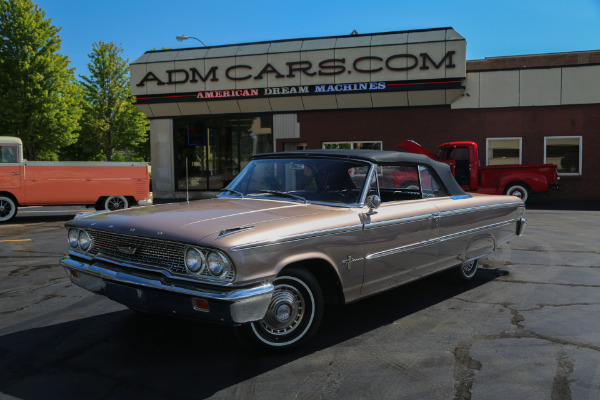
(519,180)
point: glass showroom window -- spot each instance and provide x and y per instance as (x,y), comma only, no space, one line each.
(504,151)
(353,145)
(564,151)
(210,152)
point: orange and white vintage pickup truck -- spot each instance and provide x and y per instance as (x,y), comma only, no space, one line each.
(104,185)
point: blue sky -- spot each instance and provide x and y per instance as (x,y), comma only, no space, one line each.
(491,28)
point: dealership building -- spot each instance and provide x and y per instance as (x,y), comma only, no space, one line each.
(212,108)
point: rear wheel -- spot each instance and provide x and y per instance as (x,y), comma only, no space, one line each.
(520,190)
(115,203)
(8,208)
(293,316)
(467,270)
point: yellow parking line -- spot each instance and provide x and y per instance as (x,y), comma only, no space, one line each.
(17,240)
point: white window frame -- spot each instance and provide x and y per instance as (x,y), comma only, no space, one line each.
(580,154)
(487,147)
(354,142)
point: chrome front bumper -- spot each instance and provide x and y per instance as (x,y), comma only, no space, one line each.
(227,306)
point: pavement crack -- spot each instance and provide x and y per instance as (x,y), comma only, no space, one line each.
(465,366)
(561,386)
(464,370)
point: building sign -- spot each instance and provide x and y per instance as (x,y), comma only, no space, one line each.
(340,88)
(413,61)
(328,67)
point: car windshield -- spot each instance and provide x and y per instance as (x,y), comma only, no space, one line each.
(319,180)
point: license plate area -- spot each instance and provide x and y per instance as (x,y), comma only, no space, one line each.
(124,294)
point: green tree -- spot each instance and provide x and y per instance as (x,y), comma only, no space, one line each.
(39,99)
(111,122)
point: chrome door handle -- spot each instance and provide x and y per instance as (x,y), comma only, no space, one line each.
(16,173)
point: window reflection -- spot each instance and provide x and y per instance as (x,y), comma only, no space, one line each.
(211,152)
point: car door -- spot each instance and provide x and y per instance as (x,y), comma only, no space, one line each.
(10,169)
(400,235)
(458,159)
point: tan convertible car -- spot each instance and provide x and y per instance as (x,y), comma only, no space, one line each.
(293,231)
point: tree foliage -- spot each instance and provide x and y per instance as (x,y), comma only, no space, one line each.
(110,122)
(39,100)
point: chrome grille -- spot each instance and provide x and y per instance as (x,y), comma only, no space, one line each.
(155,252)
(158,253)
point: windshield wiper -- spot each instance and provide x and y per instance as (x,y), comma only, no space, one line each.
(232,191)
(284,194)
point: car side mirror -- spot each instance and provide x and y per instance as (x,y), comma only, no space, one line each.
(373,202)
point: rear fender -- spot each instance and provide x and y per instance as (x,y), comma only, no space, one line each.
(535,180)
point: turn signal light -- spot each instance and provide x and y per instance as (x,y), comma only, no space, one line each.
(200,304)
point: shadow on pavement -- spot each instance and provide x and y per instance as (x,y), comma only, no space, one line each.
(124,355)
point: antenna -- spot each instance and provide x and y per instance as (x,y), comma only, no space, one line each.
(187,182)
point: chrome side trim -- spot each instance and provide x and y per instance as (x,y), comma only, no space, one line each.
(478,208)
(398,221)
(476,230)
(354,228)
(438,240)
(303,236)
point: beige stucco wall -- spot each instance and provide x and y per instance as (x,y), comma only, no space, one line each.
(531,87)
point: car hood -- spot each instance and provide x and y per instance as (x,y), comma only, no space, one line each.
(193,221)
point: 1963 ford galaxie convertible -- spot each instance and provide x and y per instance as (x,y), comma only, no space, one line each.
(293,231)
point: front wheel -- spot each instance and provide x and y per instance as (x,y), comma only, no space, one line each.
(8,208)
(293,316)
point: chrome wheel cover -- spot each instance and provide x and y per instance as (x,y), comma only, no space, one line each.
(469,268)
(290,314)
(285,311)
(116,203)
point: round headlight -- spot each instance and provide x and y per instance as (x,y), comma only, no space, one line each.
(73,237)
(194,260)
(85,241)
(218,265)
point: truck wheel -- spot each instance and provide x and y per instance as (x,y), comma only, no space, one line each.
(8,208)
(520,190)
(293,316)
(115,203)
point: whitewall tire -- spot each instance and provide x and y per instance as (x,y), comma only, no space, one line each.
(521,191)
(113,203)
(8,208)
(293,316)
(467,270)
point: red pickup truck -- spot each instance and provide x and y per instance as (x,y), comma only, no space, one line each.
(519,180)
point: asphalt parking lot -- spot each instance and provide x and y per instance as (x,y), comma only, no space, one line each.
(526,328)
